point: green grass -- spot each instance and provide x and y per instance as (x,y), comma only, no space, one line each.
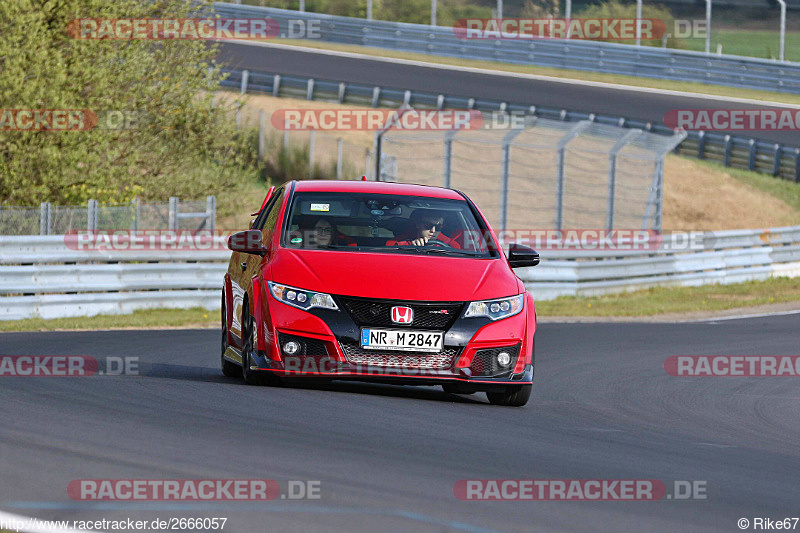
(662,300)
(634,81)
(149,318)
(763,44)
(788,191)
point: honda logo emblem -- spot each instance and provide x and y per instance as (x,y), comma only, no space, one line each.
(402,315)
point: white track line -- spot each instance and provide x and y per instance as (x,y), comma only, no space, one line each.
(567,81)
(26,523)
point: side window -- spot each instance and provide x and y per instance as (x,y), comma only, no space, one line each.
(262,216)
(272,217)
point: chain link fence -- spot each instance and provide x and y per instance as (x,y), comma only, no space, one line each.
(545,174)
(50,219)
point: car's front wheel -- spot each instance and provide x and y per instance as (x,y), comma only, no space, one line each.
(512,396)
(249,345)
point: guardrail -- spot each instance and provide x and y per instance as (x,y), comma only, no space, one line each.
(738,152)
(726,257)
(42,277)
(594,56)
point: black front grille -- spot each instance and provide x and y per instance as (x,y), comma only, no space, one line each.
(311,357)
(427,315)
(357,355)
(484,363)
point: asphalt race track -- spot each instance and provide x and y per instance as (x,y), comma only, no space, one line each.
(552,94)
(387,458)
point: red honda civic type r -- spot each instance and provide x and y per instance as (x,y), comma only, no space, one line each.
(376,281)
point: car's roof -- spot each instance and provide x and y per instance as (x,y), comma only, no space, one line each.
(375,187)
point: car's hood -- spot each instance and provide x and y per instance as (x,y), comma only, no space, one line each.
(394,276)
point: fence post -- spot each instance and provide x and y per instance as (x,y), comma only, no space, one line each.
(44,218)
(211,212)
(701,145)
(262,118)
(342,88)
(508,138)
(245,76)
(752,162)
(310,89)
(276,85)
(727,160)
(654,201)
(776,164)
(136,213)
(311,139)
(339,146)
(238,115)
(376,96)
(612,173)
(797,165)
(91,223)
(562,146)
(448,158)
(286,140)
(173,213)
(368,164)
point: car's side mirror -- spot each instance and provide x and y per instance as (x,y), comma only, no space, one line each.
(522,256)
(248,242)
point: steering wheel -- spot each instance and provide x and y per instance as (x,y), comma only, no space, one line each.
(438,243)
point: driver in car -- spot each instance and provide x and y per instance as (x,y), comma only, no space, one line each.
(424,225)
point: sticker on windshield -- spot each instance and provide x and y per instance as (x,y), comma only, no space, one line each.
(297,240)
(321,207)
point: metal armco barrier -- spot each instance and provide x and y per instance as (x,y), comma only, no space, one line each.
(732,151)
(36,279)
(594,56)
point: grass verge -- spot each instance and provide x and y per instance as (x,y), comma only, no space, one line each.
(145,318)
(662,300)
(785,190)
(649,302)
(633,81)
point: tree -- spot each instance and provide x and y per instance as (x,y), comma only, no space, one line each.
(179,145)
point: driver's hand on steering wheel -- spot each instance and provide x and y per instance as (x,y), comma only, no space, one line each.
(421,241)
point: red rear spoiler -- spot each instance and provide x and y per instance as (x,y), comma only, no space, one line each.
(266,199)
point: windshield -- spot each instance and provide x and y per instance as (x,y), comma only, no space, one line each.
(384,223)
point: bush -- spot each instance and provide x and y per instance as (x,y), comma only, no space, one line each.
(181,145)
(616,9)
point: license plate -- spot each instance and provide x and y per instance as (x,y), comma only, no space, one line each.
(406,341)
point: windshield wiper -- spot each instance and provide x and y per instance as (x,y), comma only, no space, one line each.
(424,250)
(449,251)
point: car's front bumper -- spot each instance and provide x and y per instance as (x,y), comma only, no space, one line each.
(331,350)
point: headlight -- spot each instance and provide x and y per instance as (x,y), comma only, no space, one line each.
(496,309)
(302,299)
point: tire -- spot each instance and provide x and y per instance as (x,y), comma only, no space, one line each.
(513,396)
(248,346)
(457,388)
